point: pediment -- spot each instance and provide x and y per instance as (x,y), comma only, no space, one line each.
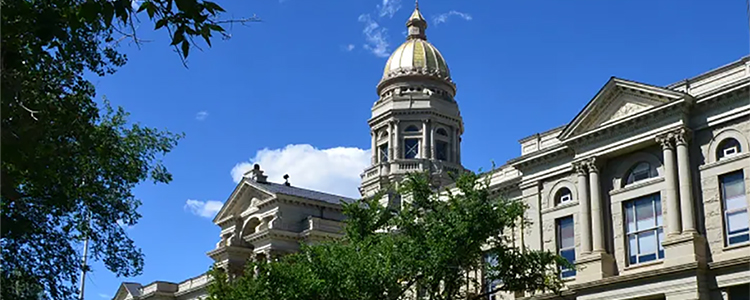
(619,99)
(245,196)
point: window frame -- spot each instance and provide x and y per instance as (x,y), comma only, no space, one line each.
(571,273)
(383,153)
(657,229)
(415,148)
(650,173)
(563,196)
(722,149)
(726,212)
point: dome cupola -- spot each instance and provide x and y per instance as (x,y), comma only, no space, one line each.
(416,58)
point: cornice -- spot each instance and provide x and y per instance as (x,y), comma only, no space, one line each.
(635,276)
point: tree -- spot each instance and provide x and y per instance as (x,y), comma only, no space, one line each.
(428,247)
(69,163)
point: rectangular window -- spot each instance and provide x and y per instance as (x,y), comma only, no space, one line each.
(739,292)
(411,148)
(490,260)
(441,150)
(734,201)
(383,152)
(643,227)
(566,245)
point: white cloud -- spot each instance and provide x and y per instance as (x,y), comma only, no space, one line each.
(105,296)
(375,36)
(348,48)
(206,209)
(334,170)
(201,115)
(389,8)
(442,18)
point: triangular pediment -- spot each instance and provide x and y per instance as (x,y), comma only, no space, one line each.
(246,195)
(619,99)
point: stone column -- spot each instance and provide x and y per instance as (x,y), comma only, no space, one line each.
(670,179)
(432,142)
(597,226)
(396,140)
(454,142)
(374,147)
(390,141)
(425,144)
(584,221)
(687,208)
(458,148)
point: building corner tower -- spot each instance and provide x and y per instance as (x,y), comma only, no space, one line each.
(416,125)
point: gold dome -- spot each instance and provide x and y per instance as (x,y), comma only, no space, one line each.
(416,56)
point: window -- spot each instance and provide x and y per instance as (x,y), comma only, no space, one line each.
(643,226)
(566,246)
(735,208)
(641,171)
(563,196)
(441,150)
(727,148)
(383,150)
(411,128)
(739,292)
(411,148)
(441,131)
(490,260)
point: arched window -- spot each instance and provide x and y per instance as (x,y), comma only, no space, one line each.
(383,134)
(411,128)
(727,148)
(641,171)
(441,131)
(563,196)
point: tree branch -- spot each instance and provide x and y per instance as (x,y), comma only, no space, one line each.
(31,112)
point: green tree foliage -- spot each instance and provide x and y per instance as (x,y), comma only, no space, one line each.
(67,159)
(430,245)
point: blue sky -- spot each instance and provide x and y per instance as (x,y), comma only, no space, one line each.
(294,92)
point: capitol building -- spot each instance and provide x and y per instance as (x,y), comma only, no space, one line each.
(645,190)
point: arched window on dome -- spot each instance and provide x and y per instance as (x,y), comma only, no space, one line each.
(563,196)
(411,128)
(441,131)
(728,148)
(641,171)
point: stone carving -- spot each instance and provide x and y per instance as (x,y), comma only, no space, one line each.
(682,136)
(665,140)
(580,168)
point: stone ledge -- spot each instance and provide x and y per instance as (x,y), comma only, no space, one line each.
(635,276)
(729,263)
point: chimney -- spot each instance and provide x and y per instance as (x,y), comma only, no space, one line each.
(257,174)
(286,180)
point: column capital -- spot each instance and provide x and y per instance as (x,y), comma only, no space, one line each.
(580,168)
(665,140)
(682,136)
(592,165)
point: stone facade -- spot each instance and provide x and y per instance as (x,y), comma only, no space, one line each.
(654,178)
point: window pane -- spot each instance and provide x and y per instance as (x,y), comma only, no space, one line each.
(566,233)
(632,248)
(644,213)
(742,238)
(411,148)
(647,242)
(384,153)
(735,203)
(629,216)
(569,255)
(733,185)
(441,150)
(737,221)
(659,219)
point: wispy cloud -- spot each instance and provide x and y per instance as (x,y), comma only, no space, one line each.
(105,296)
(442,18)
(348,48)
(376,37)
(206,209)
(201,115)
(389,8)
